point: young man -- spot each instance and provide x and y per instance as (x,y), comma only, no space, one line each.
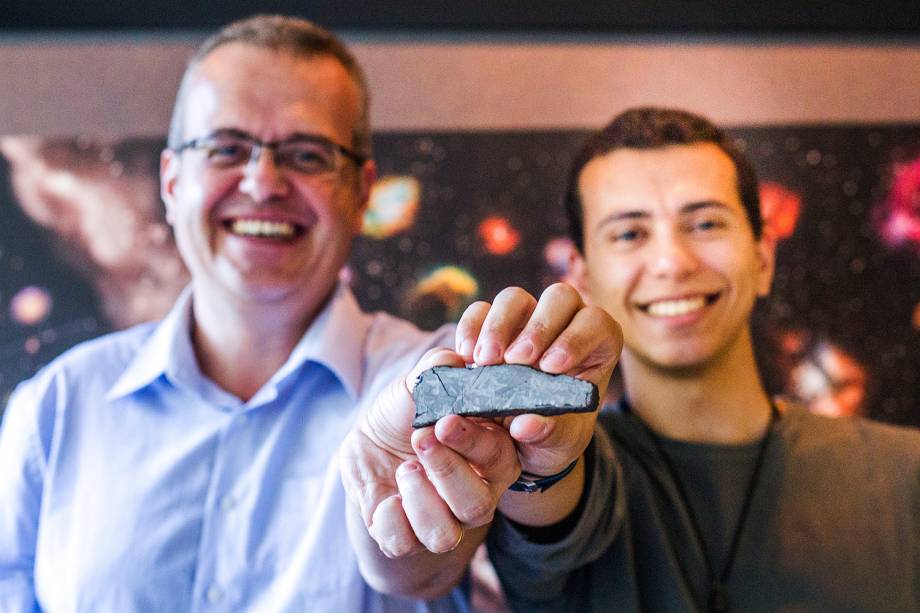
(716,499)
(190,465)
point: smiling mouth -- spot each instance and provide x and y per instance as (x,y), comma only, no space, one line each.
(262,228)
(679,306)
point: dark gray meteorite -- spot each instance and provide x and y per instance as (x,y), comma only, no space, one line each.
(498,391)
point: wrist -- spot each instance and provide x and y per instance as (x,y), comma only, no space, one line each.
(547,529)
(531,483)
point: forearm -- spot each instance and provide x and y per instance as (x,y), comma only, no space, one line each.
(535,562)
(422,575)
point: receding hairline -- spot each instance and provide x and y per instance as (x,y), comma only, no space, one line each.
(361,130)
(194,72)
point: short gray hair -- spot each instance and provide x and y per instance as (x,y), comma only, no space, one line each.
(301,38)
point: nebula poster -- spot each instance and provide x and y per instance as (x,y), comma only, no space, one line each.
(457,216)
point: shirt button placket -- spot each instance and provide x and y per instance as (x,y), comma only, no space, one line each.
(215,561)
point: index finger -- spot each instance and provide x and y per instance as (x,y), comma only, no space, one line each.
(554,311)
(588,348)
(507,316)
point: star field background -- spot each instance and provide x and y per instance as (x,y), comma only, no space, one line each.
(466,214)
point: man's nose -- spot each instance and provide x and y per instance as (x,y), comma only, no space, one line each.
(673,257)
(263,179)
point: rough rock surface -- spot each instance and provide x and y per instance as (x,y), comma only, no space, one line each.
(498,391)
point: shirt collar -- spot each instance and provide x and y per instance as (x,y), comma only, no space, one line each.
(335,339)
(168,349)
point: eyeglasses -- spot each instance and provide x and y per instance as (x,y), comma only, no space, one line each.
(308,154)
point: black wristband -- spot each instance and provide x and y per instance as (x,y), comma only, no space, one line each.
(534,483)
(554,533)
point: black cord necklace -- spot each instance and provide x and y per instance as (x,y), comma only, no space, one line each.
(717,601)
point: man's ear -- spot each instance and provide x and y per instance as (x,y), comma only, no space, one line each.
(169,173)
(577,274)
(367,176)
(766,256)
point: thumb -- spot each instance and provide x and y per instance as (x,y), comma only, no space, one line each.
(548,444)
(389,421)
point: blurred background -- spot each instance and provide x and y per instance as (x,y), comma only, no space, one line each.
(477,110)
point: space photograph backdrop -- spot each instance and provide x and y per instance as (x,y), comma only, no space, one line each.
(84,247)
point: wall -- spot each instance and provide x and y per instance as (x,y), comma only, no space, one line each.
(124,85)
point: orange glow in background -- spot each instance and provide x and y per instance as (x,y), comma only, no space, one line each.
(498,235)
(780,208)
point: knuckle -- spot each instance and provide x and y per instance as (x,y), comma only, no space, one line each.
(494,458)
(513,293)
(536,329)
(595,313)
(567,341)
(563,292)
(477,308)
(597,317)
(440,539)
(465,445)
(493,327)
(477,512)
(442,466)
(394,547)
(482,519)
(473,315)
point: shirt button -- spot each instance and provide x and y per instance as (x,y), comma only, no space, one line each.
(214,594)
(226,503)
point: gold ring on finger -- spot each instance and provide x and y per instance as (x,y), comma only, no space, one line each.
(459,540)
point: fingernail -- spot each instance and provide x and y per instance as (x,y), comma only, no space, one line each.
(466,349)
(408,467)
(488,352)
(554,359)
(454,434)
(520,350)
(541,433)
(425,444)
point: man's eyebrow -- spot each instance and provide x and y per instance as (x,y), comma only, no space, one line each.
(686,209)
(692,207)
(307,136)
(242,134)
(623,215)
(229,132)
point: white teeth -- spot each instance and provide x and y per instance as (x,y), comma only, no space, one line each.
(262,228)
(673,308)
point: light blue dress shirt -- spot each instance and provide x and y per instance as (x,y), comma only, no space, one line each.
(130,482)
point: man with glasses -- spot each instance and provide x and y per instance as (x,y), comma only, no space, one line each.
(191,464)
